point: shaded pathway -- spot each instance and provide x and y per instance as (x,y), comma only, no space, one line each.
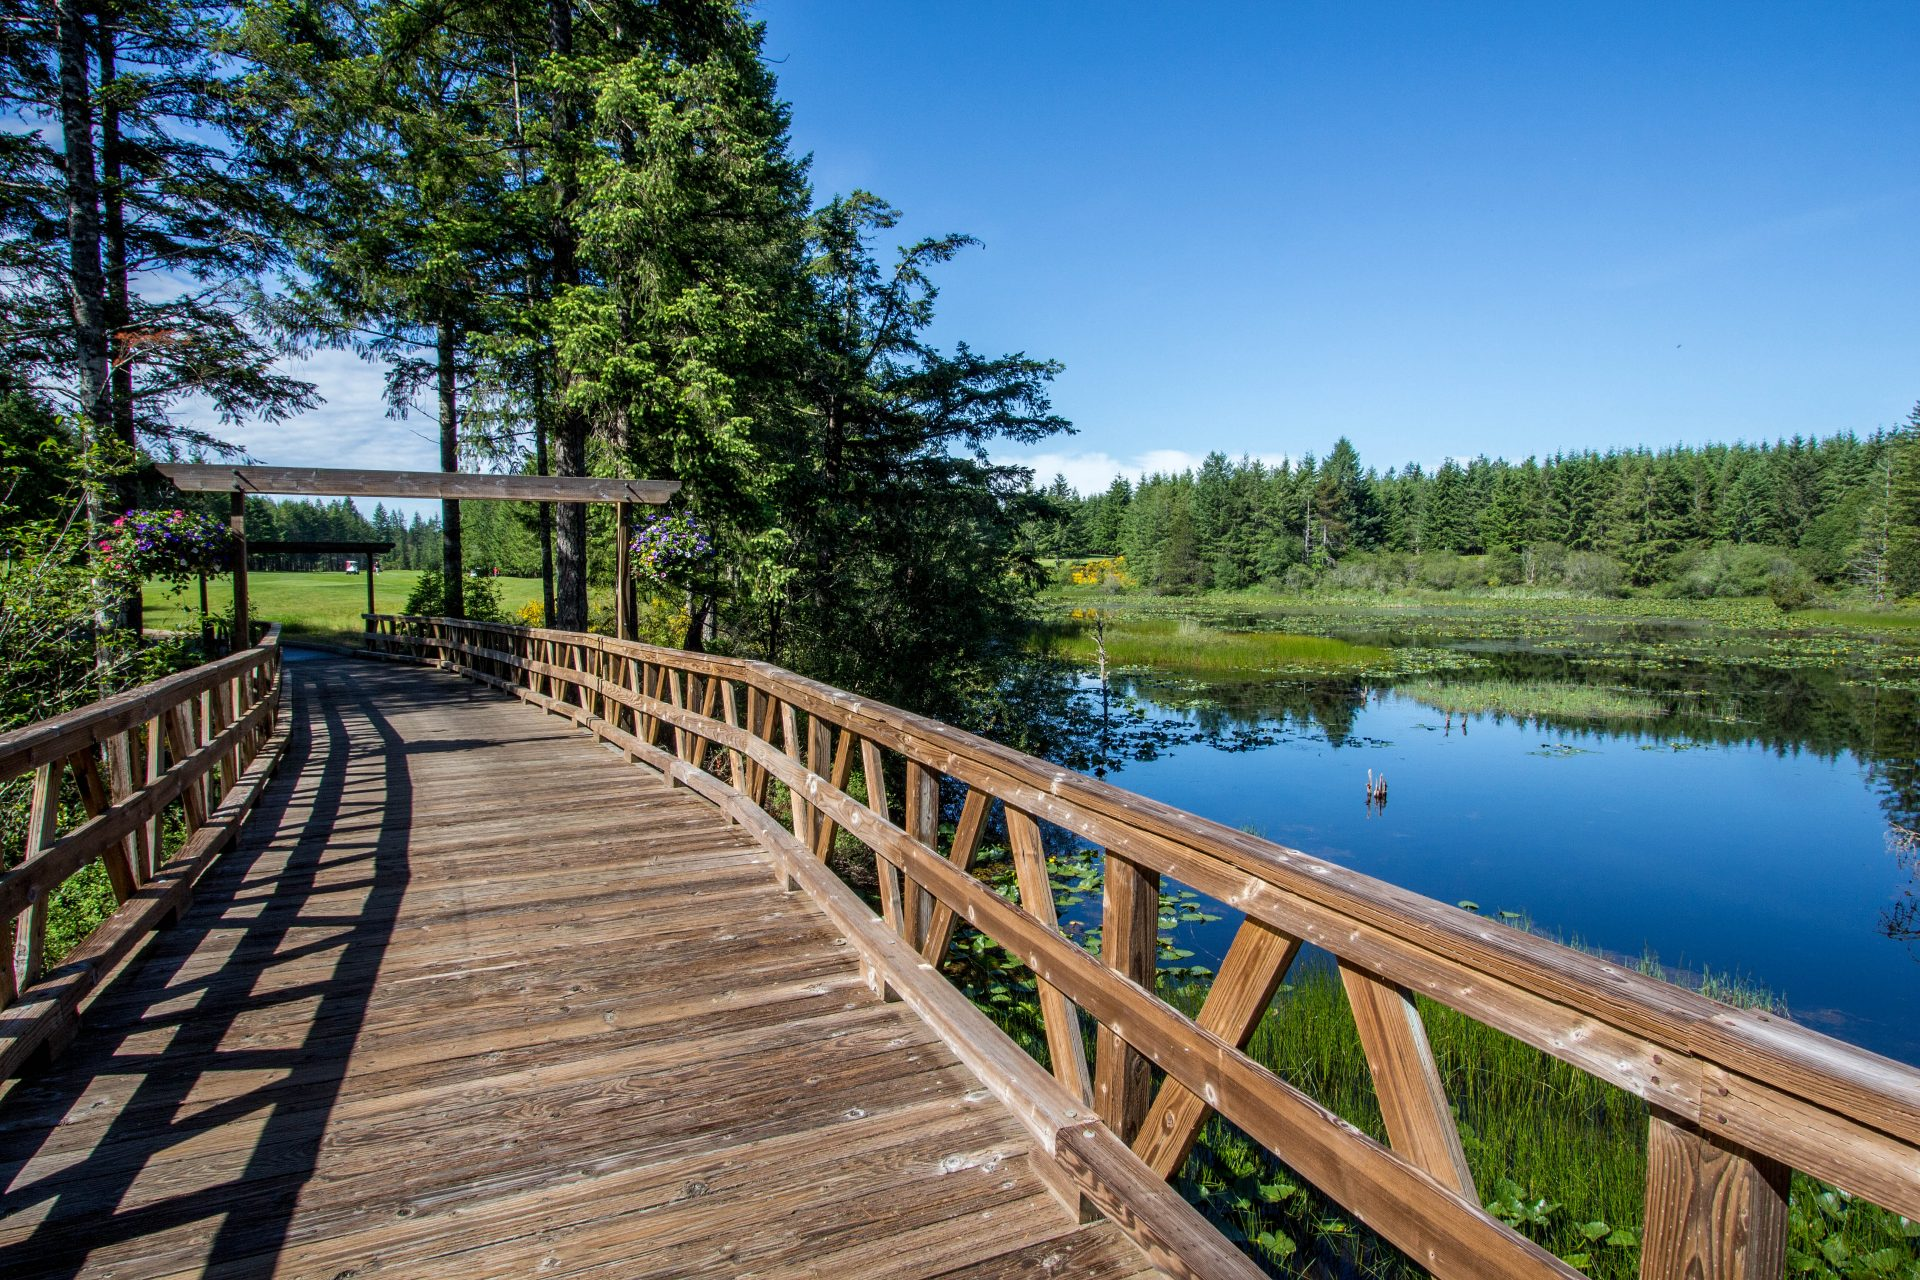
(475,997)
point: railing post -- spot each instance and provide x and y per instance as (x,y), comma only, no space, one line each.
(1413,1099)
(1059,1015)
(1715,1210)
(923,824)
(43,824)
(1130,944)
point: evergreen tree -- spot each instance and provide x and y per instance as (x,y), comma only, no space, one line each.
(1902,497)
(1450,519)
(1343,505)
(893,512)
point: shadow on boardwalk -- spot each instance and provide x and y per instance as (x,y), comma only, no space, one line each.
(478,997)
(202,1074)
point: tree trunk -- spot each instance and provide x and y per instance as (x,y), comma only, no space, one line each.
(88,283)
(450,568)
(113,209)
(118,306)
(570,435)
(546,508)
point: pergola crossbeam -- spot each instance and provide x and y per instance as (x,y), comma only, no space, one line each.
(340,482)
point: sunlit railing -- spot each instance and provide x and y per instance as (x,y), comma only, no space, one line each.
(1737,1098)
(177,762)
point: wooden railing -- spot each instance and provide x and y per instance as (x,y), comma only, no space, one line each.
(201,743)
(1737,1098)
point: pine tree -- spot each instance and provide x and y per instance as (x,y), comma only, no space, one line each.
(1343,505)
(1902,522)
(1450,518)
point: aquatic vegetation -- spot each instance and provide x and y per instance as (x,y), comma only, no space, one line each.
(1865,619)
(1527,699)
(1188,645)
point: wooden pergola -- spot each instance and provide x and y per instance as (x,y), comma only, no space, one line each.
(337,482)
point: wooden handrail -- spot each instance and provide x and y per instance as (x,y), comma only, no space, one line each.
(205,740)
(1737,1097)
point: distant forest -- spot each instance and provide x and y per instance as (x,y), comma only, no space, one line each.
(1737,519)
(503,536)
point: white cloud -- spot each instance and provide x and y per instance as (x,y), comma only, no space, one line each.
(1089,473)
(349,429)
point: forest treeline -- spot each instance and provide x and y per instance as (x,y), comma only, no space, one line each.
(1737,519)
(416,542)
(576,236)
(498,536)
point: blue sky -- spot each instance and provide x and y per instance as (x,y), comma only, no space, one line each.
(1438,229)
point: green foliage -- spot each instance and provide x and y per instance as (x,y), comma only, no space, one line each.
(1743,519)
(892,513)
(480,598)
(38,455)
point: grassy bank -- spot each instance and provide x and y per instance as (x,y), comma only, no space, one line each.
(1526,699)
(318,606)
(1754,612)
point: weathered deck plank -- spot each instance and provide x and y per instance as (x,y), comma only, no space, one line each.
(476,997)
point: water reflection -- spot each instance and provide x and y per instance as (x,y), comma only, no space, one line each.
(1762,825)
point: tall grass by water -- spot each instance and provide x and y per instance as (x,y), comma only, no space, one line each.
(1555,1153)
(1185,645)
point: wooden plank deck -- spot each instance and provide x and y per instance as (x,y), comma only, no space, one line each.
(474,997)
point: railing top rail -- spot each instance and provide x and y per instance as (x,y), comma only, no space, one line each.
(30,746)
(1789,1058)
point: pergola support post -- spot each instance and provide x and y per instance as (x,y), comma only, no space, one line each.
(623,603)
(237,525)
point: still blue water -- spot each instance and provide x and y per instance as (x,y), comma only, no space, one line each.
(1772,864)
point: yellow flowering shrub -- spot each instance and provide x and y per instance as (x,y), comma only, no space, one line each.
(1111,572)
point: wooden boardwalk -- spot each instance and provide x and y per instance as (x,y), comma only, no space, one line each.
(475,997)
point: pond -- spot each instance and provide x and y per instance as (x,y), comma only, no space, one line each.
(1745,823)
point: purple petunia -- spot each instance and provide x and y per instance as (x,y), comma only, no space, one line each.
(166,544)
(668,547)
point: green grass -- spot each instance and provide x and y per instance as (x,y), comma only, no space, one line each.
(1186,645)
(1506,604)
(319,606)
(1523,699)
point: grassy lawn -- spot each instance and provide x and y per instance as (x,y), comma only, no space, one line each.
(320,606)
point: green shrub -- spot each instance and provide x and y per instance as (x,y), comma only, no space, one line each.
(480,598)
(1789,587)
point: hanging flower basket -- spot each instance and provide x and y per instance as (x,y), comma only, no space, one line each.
(167,545)
(668,549)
